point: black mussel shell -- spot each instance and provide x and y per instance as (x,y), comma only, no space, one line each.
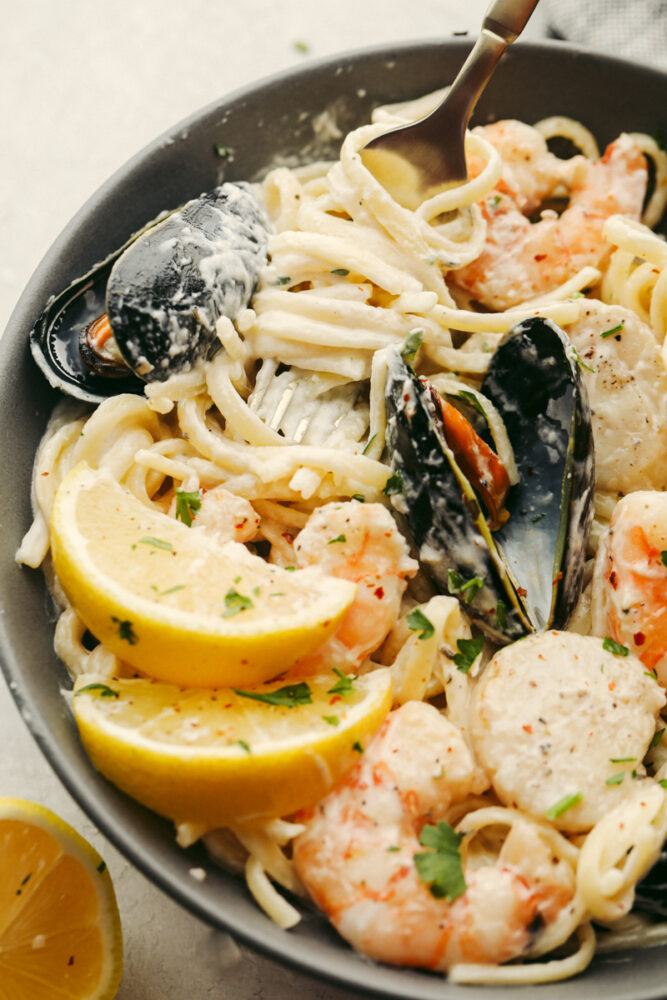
(651,892)
(534,380)
(55,339)
(166,292)
(527,575)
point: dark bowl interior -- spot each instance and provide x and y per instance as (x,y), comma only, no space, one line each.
(272,118)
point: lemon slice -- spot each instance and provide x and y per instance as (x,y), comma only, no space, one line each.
(60,933)
(222,757)
(176,603)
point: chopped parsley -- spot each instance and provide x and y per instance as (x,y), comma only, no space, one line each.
(338,538)
(302,46)
(393,485)
(615,329)
(614,647)
(622,760)
(344,684)
(187,505)
(359,497)
(393,847)
(101,867)
(657,736)
(125,631)
(157,543)
(284,279)
(411,345)
(616,779)
(562,806)
(103,690)
(235,603)
(171,590)
(240,743)
(331,720)
(418,622)
(342,272)
(441,869)
(663,783)
(288,696)
(468,651)
(501,615)
(468,588)
(357,746)
(471,399)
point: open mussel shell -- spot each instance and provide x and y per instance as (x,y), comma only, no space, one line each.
(163,291)
(527,575)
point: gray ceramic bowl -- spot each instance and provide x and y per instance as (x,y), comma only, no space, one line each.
(272,117)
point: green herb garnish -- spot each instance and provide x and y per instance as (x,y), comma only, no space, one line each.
(288,696)
(567,802)
(332,720)
(187,505)
(616,779)
(125,631)
(411,345)
(441,869)
(457,585)
(235,603)
(302,46)
(468,651)
(622,760)
(393,485)
(418,622)
(239,743)
(580,361)
(615,329)
(501,615)
(158,543)
(284,279)
(359,497)
(103,690)
(657,736)
(614,647)
(368,445)
(340,271)
(338,538)
(344,684)
(357,746)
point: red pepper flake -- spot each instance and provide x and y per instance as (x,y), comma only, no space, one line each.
(288,536)
(528,729)
(639,638)
(612,579)
(326,623)
(522,592)
(406,397)
(540,256)
(379,593)
(45,473)
(611,685)
(336,697)
(558,577)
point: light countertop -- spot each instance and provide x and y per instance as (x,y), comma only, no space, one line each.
(83,86)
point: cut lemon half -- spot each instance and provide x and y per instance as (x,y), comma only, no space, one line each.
(223,757)
(176,603)
(60,936)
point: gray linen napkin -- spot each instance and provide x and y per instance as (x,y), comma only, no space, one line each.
(631,29)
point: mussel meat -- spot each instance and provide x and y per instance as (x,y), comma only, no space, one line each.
(150,309)
(514,559)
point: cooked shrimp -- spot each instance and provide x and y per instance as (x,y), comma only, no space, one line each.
(521,259)
(356,856)
(229,517)
(630,581)
(358,542)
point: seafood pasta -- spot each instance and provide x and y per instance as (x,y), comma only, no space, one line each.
(403,508)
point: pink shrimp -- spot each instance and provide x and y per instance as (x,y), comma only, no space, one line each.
(358,542)
(357,856)
(630,583)
(521,259)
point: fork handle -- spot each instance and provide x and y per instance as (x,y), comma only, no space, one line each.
(508,18)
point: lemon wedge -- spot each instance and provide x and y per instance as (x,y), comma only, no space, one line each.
(227,756)
(176,603)
(60,931)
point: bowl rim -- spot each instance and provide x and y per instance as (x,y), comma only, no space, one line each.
(81,781)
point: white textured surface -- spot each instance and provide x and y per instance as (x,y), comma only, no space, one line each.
(84,85)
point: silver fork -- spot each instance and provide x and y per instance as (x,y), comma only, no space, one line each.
(431,152)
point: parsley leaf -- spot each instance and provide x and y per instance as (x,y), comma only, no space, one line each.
(187,505)
(342,272)
(339,538)
(411,345)
(240,743)
(468,651)
(615,329)
(418,622)
(125,631)
(393,485)
(288,696)
(656,739)
(343,686)
(357,746)
(457,585)
(332,720)
(616,779)
(284,279)
(235,602)
(103,690)
(567,802)
(441,868)
(615,647)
